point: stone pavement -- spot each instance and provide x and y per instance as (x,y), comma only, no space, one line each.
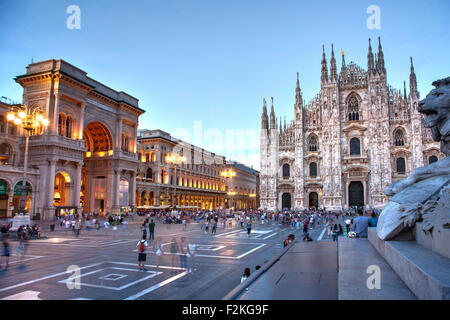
(324,270)
(308,271)
(355,257)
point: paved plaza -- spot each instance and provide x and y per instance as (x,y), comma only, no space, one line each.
(107,262)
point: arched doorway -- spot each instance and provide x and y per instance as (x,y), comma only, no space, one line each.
(99,144)
(286,201)
(356,194)
(313,200)
(61,195)
(4,192)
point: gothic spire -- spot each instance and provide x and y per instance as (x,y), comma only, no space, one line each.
(324,76)
(264,118)
(370,65)
(343,60)
(272,117)
(404,90)
(298,95)
(412,80)
(333,69)
(381,66)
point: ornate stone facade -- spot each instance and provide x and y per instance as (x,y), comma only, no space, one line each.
(198,182)
(342,149)
(86,159)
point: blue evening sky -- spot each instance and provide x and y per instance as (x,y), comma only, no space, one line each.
(214,61)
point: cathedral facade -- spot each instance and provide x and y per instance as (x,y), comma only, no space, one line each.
(355,137)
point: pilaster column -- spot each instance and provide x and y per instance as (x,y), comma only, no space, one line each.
(119,133)
(55,113)
(77,187)
(9,212)
(133,189)
(49,210)
(81,122)
(116,186)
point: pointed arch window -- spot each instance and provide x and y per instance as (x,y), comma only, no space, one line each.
(353,109)
(399,138)
(313,144)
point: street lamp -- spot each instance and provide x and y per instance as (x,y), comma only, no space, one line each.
(231,194)
(229,173)
(175,160)
(29,120)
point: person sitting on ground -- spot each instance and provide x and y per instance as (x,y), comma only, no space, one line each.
(373,222)
(360,224)
(246,275)
(307,238)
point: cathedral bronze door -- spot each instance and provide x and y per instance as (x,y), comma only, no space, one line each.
(356,194)
(286,201)
(313,200)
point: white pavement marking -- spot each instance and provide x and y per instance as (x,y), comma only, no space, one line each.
(25,259)
(156,286)
(321,235)
(152,266)
(248,252)
(227,233)
(45,278)
(152,274)
(270,236)
(26,295)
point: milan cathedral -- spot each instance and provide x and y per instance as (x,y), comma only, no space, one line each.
(342,149)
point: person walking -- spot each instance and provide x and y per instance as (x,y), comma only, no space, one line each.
(159,251)
(142,253)
(77,228)
(214,228)
(5,251)
(151,229)
(174,252)
(335,231)
(184,250)
(249,228)
(144,230)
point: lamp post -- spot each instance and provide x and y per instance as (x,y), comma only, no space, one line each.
(175,160)
(29,120)
(229,173)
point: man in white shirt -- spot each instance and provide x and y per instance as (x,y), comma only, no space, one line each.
(142,253)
